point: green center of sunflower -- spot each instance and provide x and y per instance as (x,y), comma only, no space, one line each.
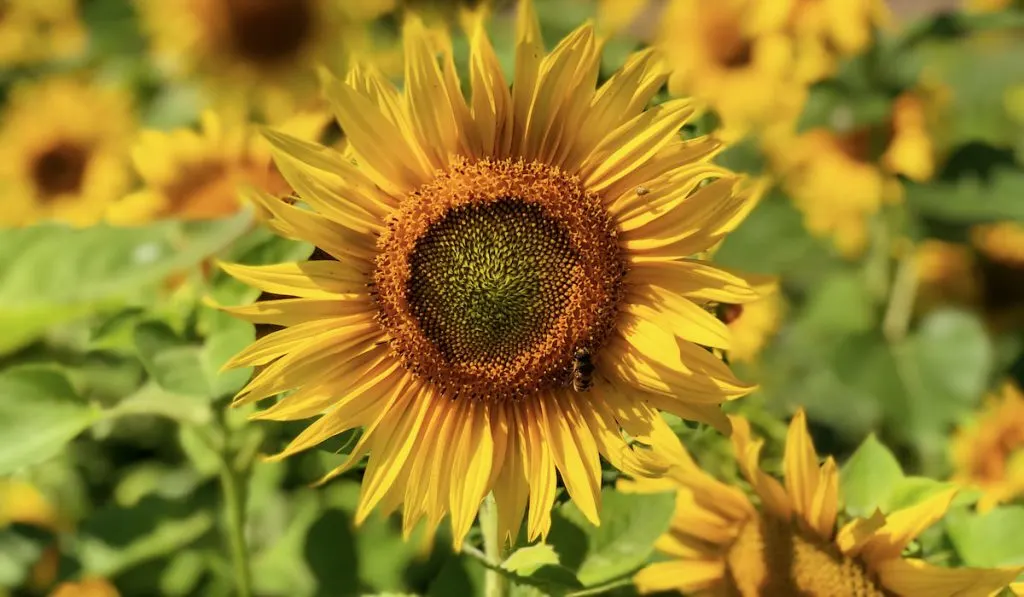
(773,557)
(268,32)
(60,170)
(492,276)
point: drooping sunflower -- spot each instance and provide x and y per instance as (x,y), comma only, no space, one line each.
(839,179)
(260,52)
(63,152)
(33,31)
(734,54)
(988,452)
(502,302)
(194,175)
(720,543)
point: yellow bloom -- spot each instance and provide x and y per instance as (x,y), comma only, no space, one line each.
(63,152)
(192,175)
(38,30)
(23,503)
(1002,242)
(947,274)
(483,248)
(735,55)
(258,51)
(753,325)
(828,30)
(722,544)
(989,452)
(94,587)
(836,180)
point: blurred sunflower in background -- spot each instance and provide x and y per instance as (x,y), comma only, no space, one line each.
(196,175)
(63,151)
(720,543)
(577,315)
(754,324)
(23,503)
(840,177)
(827,31)
(988,452)
(33,31)
(258,52)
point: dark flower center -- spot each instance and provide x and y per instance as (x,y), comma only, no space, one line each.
(269,32)
(60,170)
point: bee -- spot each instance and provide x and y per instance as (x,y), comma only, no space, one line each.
(642,190)
(582,370)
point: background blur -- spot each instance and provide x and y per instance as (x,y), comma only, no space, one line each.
(891,244)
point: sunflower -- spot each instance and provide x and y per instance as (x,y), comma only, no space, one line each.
(947,274)
(261,52)
(37,30)
(1002,242)
(492,257)
(63,152)
(825,31)
(720,543)
(753,325)
(840,179)
(193,175)
(91,587)
(735,55)
(23,503)
(989,452)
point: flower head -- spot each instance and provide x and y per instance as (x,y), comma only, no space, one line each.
(502,303)
(720,543)
(37,30)
(989,452)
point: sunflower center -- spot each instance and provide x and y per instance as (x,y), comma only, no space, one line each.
(493,275)
(728,312)
(772,557)
(60,170)
(269,31)
(730,47)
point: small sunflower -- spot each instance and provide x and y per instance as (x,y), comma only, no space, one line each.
(504,300)
(733,54)
(63,152)
(33,31)
(720,543)
(266,48)
(989,452)
(752,325)
(840,179)
(1002,242)
(194,175)
(825,31)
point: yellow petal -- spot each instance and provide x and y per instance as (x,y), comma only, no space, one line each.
(491,103)
(471,468)
(856,533)
(307,279)
(691,322)
(825,505)
(697,280)
(679,575)
(574,452)
(540,469)
(903,526)
(916,577)
(511,488)
(800,467)
(529,53)
(431,108)
(290,312)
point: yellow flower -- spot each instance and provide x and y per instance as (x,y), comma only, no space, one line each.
(835,179)
(1002,242)
(63,152)
(38,30)
(93,587)
(735,55)
(193,175)
(720,543)
(491,255)
(261,52)
(828,30)
(947,274)
(617,15)
(989,452)
(753,325)
(23,503)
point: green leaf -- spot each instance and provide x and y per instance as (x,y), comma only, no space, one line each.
(630,524)
(525,560)
(175,364)
(182,574)
(39,414)
(971,199)
(867,480)
(911,491)
(51,274)
(19,551)
(989,540)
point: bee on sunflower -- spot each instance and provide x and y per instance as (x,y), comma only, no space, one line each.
(720,543)
(478,246)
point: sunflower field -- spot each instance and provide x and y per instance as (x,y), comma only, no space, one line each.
(509,298)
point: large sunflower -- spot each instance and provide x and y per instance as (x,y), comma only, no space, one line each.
(490,254)
(63,152)
(722,544)
(989,452)
(195,175)
(259,51)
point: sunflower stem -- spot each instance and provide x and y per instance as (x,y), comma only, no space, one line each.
(234,503)
(496,585)
(902,295)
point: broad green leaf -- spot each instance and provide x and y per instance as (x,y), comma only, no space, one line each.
(910,491)
(993,539)
(51,274)
(630,524)
(540,564)
(868,479)
(281,568)
(174,363)
(39,414)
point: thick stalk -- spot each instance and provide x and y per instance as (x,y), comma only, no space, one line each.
(234,505)
(496,585)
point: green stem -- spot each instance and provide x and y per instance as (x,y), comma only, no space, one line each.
(495,585)
(902,296)
(231,484)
